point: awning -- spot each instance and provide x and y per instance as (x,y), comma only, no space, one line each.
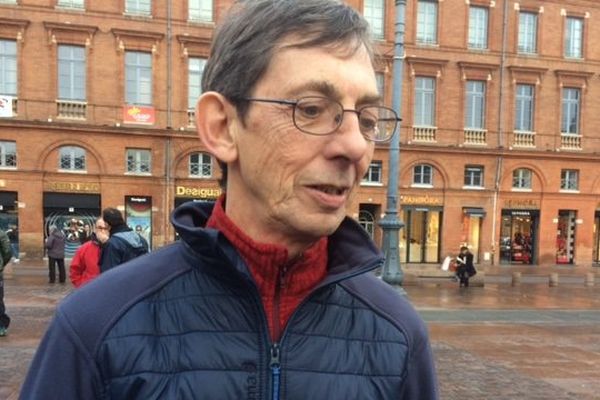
(474,211)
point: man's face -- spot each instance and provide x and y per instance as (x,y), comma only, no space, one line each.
(287,186)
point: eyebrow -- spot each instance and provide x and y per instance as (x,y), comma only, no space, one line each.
(329,90)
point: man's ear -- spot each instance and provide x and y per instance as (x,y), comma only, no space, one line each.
(215,117)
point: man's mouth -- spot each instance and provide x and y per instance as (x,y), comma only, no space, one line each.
(330,189)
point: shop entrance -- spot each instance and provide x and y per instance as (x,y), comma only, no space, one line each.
(420,238)
(565,236)
(74,214)
(518,240)
(9,219)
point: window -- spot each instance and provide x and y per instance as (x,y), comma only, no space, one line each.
(475,105)
(8,154)
(138,161)
(527,42)
(524,108)
(138,77)
(71,158)
(474,175)
(570,111)
(574,38)
(140,7)
(71,4)
(380,78)
(195,69)
(522,178)
(478,28)
(200,10)
(427,22)
(424,101)
(71,72)
(569,179)
(423,175)
(367,221)
(373,174)
(8,67)
(374,12)
(201,165)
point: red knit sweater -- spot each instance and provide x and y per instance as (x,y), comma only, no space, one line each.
(282,283)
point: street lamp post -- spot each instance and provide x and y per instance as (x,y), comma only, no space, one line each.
(391,225)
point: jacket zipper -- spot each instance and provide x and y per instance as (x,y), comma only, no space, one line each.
(275,366)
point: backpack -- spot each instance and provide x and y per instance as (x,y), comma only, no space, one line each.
(5,250)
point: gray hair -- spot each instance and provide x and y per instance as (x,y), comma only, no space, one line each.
(247,38)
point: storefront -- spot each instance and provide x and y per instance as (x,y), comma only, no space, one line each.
(471,229)
(73,214)
(518,240)
(138,216)
(421,236)
(183,194)
(565,236)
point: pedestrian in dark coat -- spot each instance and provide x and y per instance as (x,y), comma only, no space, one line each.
(55,244)
(5,256)
(464,266)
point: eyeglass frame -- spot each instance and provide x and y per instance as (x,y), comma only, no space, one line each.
(294,104)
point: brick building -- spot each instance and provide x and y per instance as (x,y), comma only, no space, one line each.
(498,142)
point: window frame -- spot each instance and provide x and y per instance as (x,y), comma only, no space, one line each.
(527,34)
(9,68)
(522,179)
(424,173)
(427,23)
(138,162)
(474,173)
(195,74)
(478,29)
(72,62)
(568,107)
(70,4)
(201,13)
(137,7)
(473,100)
(573,41)
(138,69)
(70,154)
(423,115)
(374,13)
(202,165)
(8,148)
(374,174)
(568,178)
(521,104)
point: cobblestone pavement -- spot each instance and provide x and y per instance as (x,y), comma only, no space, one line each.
(500,341)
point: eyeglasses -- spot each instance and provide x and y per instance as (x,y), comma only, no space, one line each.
(101,228)
(321,116)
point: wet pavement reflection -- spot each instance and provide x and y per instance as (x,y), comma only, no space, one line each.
(529,341)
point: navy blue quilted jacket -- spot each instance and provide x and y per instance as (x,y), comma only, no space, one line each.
(187,322)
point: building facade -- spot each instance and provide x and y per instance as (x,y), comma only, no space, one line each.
(499,139)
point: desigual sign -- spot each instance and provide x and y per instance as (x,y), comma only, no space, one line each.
(202,193)
(74,187)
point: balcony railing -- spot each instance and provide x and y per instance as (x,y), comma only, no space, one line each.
(424,134)
(69,109)
(523,139)
(475,136)
(570,141)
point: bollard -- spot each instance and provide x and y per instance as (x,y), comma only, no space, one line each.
(589,279)
(553,279)
(516,278)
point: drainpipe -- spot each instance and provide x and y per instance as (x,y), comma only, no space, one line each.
(500,128)
(168,183)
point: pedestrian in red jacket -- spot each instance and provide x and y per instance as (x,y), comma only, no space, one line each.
(84,266)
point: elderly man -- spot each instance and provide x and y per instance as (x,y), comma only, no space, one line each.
(269,293)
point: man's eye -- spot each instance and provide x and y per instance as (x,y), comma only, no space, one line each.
(310,110)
